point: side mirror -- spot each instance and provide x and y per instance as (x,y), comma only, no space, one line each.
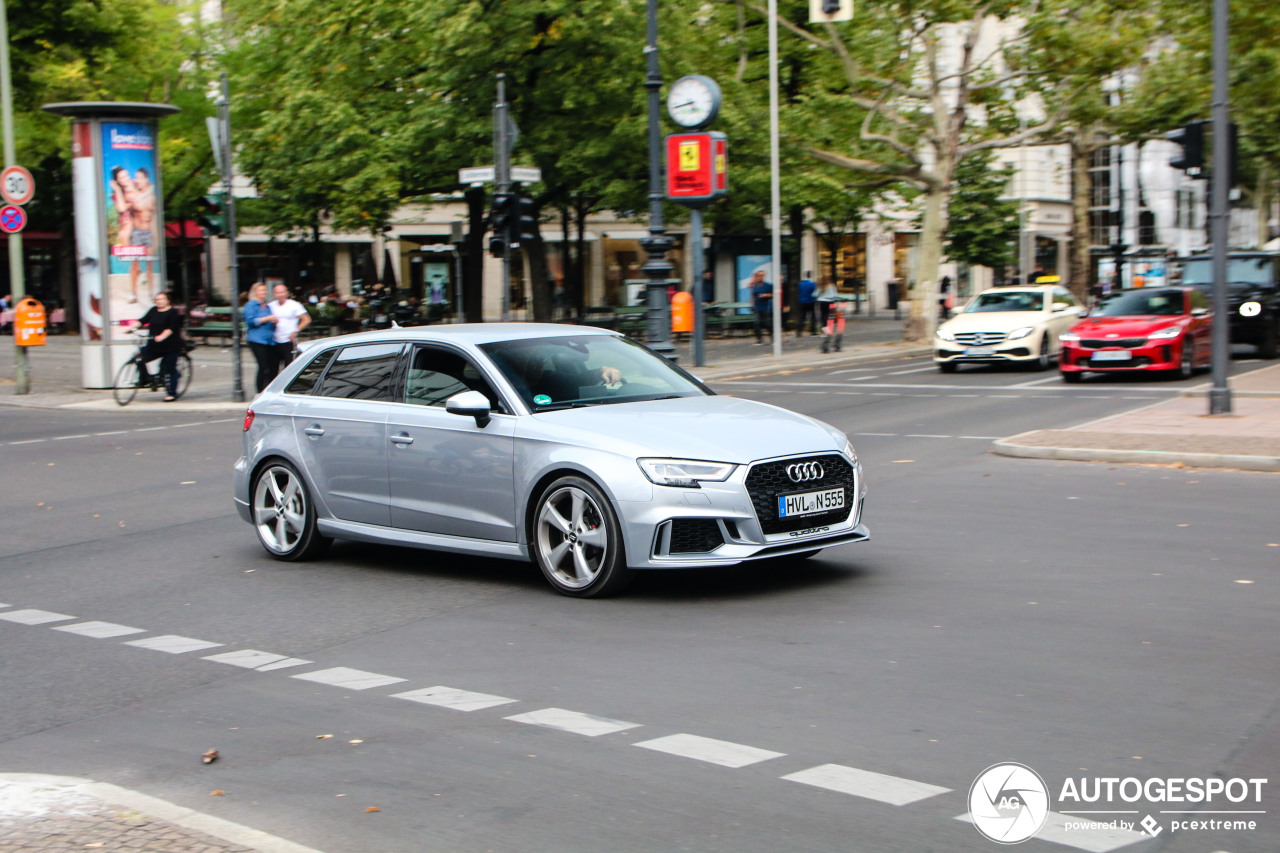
(470,404)
(1199,312)
(1059,307)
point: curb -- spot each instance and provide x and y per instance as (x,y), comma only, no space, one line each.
(186,818)
(1010,447)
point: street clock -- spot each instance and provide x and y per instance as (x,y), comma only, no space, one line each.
(693,101)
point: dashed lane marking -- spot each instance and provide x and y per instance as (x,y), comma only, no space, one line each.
(451,697)
(722,752)
(119,432)
(34,617)
(69,437)
(574,722)
(349,679)
(173,644)
(99,630)
(254,659)
(863,783)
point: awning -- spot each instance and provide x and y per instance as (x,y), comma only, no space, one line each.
(183,228)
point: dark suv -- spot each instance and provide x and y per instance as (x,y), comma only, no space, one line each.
(1253,296)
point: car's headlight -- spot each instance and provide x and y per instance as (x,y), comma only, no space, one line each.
(1250,309)
(684,472)
(1166,334)
(1021,332)
(1068,337)
(946,335)
(849,452)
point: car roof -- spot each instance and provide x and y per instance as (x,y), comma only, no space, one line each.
(1024,288)
(472,334)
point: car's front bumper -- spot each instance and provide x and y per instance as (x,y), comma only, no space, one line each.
(719,525)
(1164,355)
(1022,349)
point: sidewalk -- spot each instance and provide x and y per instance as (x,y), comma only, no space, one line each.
(44,814)
(55,372)
(1175,432)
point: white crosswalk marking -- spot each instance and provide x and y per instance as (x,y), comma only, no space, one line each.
(173,644)
(574,722)
(722,752)
(349,679)
(283,664)
(254,659)
(1091,840)
(98,630)
(451,697)
(864,783)
(33,617)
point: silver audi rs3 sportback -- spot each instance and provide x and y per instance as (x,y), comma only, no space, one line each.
(569,446)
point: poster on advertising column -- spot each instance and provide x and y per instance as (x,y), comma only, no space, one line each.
(133,219)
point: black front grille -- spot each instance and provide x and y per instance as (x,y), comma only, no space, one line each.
(694,536)
(768,480)
(1127,343)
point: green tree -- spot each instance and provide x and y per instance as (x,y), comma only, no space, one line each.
(983,222)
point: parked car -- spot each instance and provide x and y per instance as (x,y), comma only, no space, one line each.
(569,446)
(1253,296)
(1007,324)
(1162,329)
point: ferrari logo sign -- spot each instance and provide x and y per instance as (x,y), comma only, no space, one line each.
(696,164)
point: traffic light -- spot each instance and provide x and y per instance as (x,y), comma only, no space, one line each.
(211,213)
(1191,138)
(500,224)
(524,223)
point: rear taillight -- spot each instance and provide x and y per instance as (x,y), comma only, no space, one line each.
(248,420)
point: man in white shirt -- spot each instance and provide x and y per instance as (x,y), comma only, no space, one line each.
(291,318)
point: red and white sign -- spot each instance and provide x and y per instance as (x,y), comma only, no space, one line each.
(12,219)
(17,185)
(696,167)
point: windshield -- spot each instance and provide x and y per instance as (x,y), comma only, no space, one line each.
(588,370)
(1009,300)
(1240,271)
(1134,302)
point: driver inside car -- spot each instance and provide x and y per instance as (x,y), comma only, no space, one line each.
(565,378)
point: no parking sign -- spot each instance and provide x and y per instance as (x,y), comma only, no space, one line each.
(12,219)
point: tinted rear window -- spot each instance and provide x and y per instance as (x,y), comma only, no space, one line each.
(363,372)
(305,382)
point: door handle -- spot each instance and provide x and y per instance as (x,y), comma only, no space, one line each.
(402,438)
(314,431)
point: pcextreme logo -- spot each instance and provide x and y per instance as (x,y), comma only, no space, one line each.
(1010,803)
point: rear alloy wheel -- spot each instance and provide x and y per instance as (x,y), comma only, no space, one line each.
(577,540)
(1045,358)
(283,514)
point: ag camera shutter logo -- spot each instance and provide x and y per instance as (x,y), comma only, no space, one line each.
(1009,803)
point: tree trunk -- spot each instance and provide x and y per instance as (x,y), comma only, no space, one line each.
(922,320)
(1080,273)
(795,217)
(535,251)
(473,258)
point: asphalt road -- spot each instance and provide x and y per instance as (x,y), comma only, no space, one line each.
(1085,620)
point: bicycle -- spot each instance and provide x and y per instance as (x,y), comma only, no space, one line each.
(129,376)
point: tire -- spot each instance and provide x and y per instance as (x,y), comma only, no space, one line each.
(1045,359)
(125,387)
(1072,376)
(947,367)
(185,370)
(1269,346)
(576,540)
(284,516)
(1186,362)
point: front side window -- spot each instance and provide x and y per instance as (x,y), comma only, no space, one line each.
(588,370)
(364,372)
(435,375)
(1015,300)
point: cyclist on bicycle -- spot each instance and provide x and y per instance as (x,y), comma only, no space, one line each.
(165,324)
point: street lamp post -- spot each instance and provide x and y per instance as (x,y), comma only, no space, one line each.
(657,244)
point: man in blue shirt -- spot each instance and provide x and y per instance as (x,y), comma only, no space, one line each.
(808,296)
(761,305)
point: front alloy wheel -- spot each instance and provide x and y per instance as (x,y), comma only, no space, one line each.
(577,540)
(283,514)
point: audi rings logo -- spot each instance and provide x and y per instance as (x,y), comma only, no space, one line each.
(803,472)
(1009,803)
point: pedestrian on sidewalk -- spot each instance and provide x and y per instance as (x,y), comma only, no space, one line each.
(826,295)
(291,318)
(761,305)
(261,334)
(808,298)
(833,331)
(165,325)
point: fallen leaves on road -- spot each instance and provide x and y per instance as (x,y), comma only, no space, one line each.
(900,461)
(357,740)
(323,737)
(217,793)
(372,809)
(210,756)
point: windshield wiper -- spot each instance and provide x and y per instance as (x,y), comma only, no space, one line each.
(556,407)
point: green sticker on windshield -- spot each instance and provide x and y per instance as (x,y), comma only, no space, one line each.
(542,400)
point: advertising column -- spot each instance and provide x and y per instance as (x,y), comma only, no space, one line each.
(115,172)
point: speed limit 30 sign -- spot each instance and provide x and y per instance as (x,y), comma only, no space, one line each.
(16,185)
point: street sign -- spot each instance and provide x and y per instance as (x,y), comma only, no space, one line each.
(17,185)
(526,174)
(696,167)
(476,175)
(216,142)
(12,219)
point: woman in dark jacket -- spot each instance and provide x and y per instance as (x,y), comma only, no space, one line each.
(165,324)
